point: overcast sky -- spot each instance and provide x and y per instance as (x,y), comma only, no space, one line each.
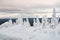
(13,5)
(26,3)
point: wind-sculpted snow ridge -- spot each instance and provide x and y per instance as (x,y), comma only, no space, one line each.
(6,24)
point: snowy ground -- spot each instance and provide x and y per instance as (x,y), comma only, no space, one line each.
(18,32)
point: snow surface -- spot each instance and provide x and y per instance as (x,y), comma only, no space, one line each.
(18,32)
